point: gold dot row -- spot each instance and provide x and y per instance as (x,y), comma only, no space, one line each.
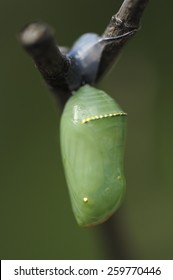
(98,117)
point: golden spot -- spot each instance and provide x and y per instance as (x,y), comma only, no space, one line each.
(119,177)
(85,199)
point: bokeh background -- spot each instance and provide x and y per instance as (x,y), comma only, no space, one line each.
(36,220)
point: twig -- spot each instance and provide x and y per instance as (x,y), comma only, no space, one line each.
(57,69)
(38,40)
(127,19)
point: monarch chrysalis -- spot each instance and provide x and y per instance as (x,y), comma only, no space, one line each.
(92,124)
(93,130)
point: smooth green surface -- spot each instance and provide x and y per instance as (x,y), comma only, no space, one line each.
(92,154)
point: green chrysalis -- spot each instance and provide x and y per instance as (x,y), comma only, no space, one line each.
(93,129)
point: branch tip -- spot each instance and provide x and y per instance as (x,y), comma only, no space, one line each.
(34,33)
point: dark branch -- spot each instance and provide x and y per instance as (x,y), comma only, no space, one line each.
(38,41)
(58,70)
(127,19)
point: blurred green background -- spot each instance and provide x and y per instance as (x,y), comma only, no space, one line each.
(36,221)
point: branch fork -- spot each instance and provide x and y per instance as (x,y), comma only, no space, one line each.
(53,64)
